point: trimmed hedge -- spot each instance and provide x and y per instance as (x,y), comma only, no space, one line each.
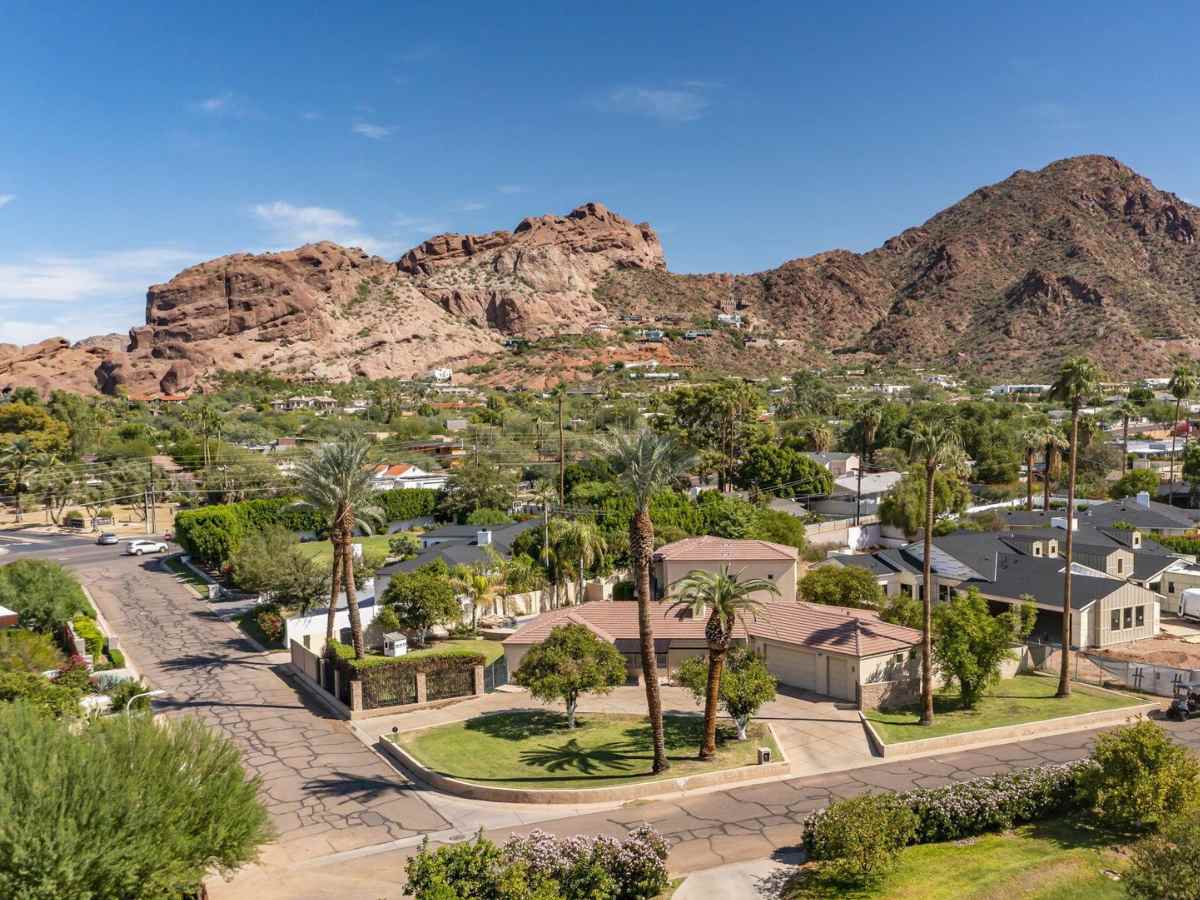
(86,628)
(407,503)
(451,658)
(212,534)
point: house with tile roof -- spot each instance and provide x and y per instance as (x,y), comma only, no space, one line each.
(390,476)
(777,563)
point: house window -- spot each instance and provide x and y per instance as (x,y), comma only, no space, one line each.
(1170,587)
(905,589)
(1120,565)
(1115,623)
(308,642)
(1129,617)
(1139,616)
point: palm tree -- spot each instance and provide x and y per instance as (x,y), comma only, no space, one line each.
(869,419)
(935,445)
(206,422)
(1078,378)
(1126,410)
(1053,446)
(1031,438)
(726,600)
(337,482)
(820,436)
(479,587)
(647,462)
(583,544)
(1182,385)
(17,458)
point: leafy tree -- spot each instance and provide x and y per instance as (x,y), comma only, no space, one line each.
(163,807)
(970,643)
(772,468)
(647,463)
(28,651)
(422,599)
(842,586)
(474,486)
(1134,481)
(726,599)
(1164,864)
(812,395)
(858,840)
(572,661)
(488,516)
(716,417)
(779,527)
(404,545)
(271,561)
(1078,379)
(903,610)
(34,424)
(45,594)
(746,684)
(904,505)
(336,482)
(1140,777)
(1191,465)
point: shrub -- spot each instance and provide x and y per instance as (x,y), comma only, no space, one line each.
(28,651)
(45,594)
(211,534)
(404,545)
(859,839)
(406,503)
(623,590)
(1138,777)
(74,519)
(86,628)
(1164,865)
(75,675)
(117,658)
(270,622)
(43,695)
(842,586)
(124,691)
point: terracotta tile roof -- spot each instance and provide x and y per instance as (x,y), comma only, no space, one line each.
(394,470)
(856,632)
(715,549)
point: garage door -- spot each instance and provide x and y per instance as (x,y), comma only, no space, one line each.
(796,668)
(840,685)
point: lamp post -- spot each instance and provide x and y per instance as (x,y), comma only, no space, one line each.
(158,692)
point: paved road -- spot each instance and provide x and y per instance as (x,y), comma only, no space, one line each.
(326,792)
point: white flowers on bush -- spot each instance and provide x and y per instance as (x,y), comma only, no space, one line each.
(636,863)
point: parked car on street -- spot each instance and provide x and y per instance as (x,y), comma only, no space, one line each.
(140,546)
(107,537)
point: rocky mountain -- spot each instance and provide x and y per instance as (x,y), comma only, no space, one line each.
(1083,256)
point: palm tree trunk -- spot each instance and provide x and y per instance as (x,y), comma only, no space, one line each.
(1029,480)
(1046,481)
(927,635)
(356,630)
(641,546)
(1124,444)
(335,588)
(712,699)
(1174,427)
(1064,677)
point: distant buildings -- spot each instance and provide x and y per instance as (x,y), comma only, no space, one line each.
(323,403)
(405,475)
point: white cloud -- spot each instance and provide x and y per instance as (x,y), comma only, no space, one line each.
(667,105)
(6,199)
(291,225)
(511,188)
(368,130)
(469,206)
(419,225)
(310,116)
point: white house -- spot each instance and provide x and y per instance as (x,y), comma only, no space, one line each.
(308,629)
(404,475)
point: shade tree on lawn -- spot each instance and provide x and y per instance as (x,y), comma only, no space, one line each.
(572,661)
(970,643)
(746,684)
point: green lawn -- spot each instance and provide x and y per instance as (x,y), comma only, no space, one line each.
(534,749)
(186,575)
(1052,860)
(1023,698)
(373,545)
(491,650)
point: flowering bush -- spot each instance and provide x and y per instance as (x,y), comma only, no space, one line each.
(983,804)
(271,622)
(861,838)
(540,866)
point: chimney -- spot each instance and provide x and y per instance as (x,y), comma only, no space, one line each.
(1143,499)
(483,537)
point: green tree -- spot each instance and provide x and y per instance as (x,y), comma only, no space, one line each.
(17,457)
(716,417)
(970,643)
(1134,481)
(858,840)
(33,423)
(905,610)
(726,599)
(572,661)
(1182,385)
(746,684)
(474,486)
(421,600)
(778,470)
(479,586)
(647,463)
(779,527)
(163,806)
(1078,379)
(904,505)
(1139,777)
(1163,865)
(1191,466)
(271,561)
(1125,410)
(836,585)
(45,594)
(935,447)
(336,482)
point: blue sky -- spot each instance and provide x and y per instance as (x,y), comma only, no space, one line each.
(136,139)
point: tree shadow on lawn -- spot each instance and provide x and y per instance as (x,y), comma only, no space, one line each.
(612,757)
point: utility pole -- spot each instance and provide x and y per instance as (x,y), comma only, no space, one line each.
(153,516)
(562,453)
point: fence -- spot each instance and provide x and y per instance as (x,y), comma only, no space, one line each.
(449,683)
(388,686)
(1107,671)
(495,675)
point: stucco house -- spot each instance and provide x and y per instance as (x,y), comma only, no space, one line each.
(777,563)
(388,477)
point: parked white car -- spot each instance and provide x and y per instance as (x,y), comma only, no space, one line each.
(138,547)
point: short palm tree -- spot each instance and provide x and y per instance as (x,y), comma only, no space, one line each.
(480,588)
(1126,410)
(647,462)
(725,599)
(819,435)
(1078,379)
(1031,439)
(1181,386)
(17,458)
(336,481)
(933,445)
(582,543)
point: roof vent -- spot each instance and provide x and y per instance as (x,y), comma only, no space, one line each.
(1143,499)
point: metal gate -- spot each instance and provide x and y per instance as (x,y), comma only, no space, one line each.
(495,675)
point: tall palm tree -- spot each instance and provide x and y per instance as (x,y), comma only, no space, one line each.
(337,482)
(17,458)
(647,462)
(1182,385)
(583,544)
(934,445)
(1126,410)
(1031,438)
(726,599)
(1053,445)
(870,416)
(1078,378)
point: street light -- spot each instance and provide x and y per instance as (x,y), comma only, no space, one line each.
(158,692)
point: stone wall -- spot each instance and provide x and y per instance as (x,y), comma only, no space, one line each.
(889,694)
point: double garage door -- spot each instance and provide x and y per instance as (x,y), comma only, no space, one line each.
(825,674)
